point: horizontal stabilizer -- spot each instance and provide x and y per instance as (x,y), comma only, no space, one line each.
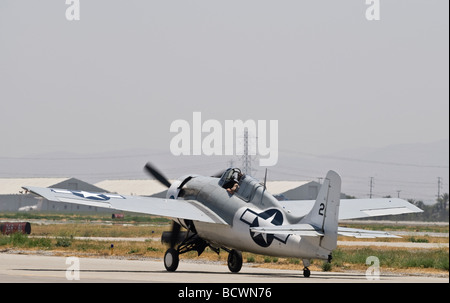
(364,234)
(356,208)
(308,230)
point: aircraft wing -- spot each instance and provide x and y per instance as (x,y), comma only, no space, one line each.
(182,209)
(356,208)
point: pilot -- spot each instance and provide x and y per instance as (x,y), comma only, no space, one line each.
(232,185)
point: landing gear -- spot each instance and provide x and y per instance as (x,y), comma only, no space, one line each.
(234,260)
(191,242)
(306,271)
(183,242)
(171,259)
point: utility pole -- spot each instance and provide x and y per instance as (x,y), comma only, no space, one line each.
(439,187)
(398,193)
(371,186)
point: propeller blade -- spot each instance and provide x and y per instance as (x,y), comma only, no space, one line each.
(155,173)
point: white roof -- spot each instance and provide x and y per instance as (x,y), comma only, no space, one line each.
(278,187)
(133,187)
(10,186)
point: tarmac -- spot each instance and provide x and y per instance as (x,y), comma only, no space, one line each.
(32,268)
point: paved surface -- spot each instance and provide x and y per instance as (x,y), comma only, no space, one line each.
(37,268)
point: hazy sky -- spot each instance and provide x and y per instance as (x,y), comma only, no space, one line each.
(119,76)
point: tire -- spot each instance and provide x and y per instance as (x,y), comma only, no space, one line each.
(171,260)
(234,260)
(306,272)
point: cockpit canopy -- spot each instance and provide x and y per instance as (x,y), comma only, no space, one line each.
(229,175)
(247,184)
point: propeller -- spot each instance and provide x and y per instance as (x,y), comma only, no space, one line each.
(175,233)
(149,168)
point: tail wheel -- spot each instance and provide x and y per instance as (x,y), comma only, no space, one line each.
(234,260)
(306,272)
(171,259)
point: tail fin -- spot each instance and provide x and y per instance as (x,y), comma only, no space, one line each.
(325,212)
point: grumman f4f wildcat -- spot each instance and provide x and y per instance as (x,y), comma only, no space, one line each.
(236,213)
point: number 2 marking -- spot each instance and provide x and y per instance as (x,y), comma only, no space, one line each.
(321,209)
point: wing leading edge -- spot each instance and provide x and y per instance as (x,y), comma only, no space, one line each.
(181,209)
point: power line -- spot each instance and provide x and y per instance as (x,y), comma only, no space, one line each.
(364,160)
(88,157)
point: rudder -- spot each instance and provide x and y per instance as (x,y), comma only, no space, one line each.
(325,213)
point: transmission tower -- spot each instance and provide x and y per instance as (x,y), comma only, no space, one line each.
(371,187)
(247,158)
(439,187)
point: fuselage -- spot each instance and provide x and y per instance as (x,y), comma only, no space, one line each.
(250,206)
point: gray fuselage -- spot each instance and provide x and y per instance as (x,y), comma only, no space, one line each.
(250,206)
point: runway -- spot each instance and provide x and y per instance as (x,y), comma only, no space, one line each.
(18,268)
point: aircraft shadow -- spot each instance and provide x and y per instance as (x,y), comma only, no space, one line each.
(278,275)
(86,270)
(317,275)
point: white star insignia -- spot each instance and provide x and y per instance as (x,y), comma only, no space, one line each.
(264,223)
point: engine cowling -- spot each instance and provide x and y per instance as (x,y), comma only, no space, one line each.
(176,188)
(174,191)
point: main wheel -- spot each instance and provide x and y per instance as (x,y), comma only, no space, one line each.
(234,260)
(171,259)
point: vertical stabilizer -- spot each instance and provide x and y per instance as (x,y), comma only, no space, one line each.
(325,212)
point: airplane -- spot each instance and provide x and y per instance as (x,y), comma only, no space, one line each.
(234,212)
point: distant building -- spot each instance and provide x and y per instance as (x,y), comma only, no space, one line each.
(144,187)
(294,190)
